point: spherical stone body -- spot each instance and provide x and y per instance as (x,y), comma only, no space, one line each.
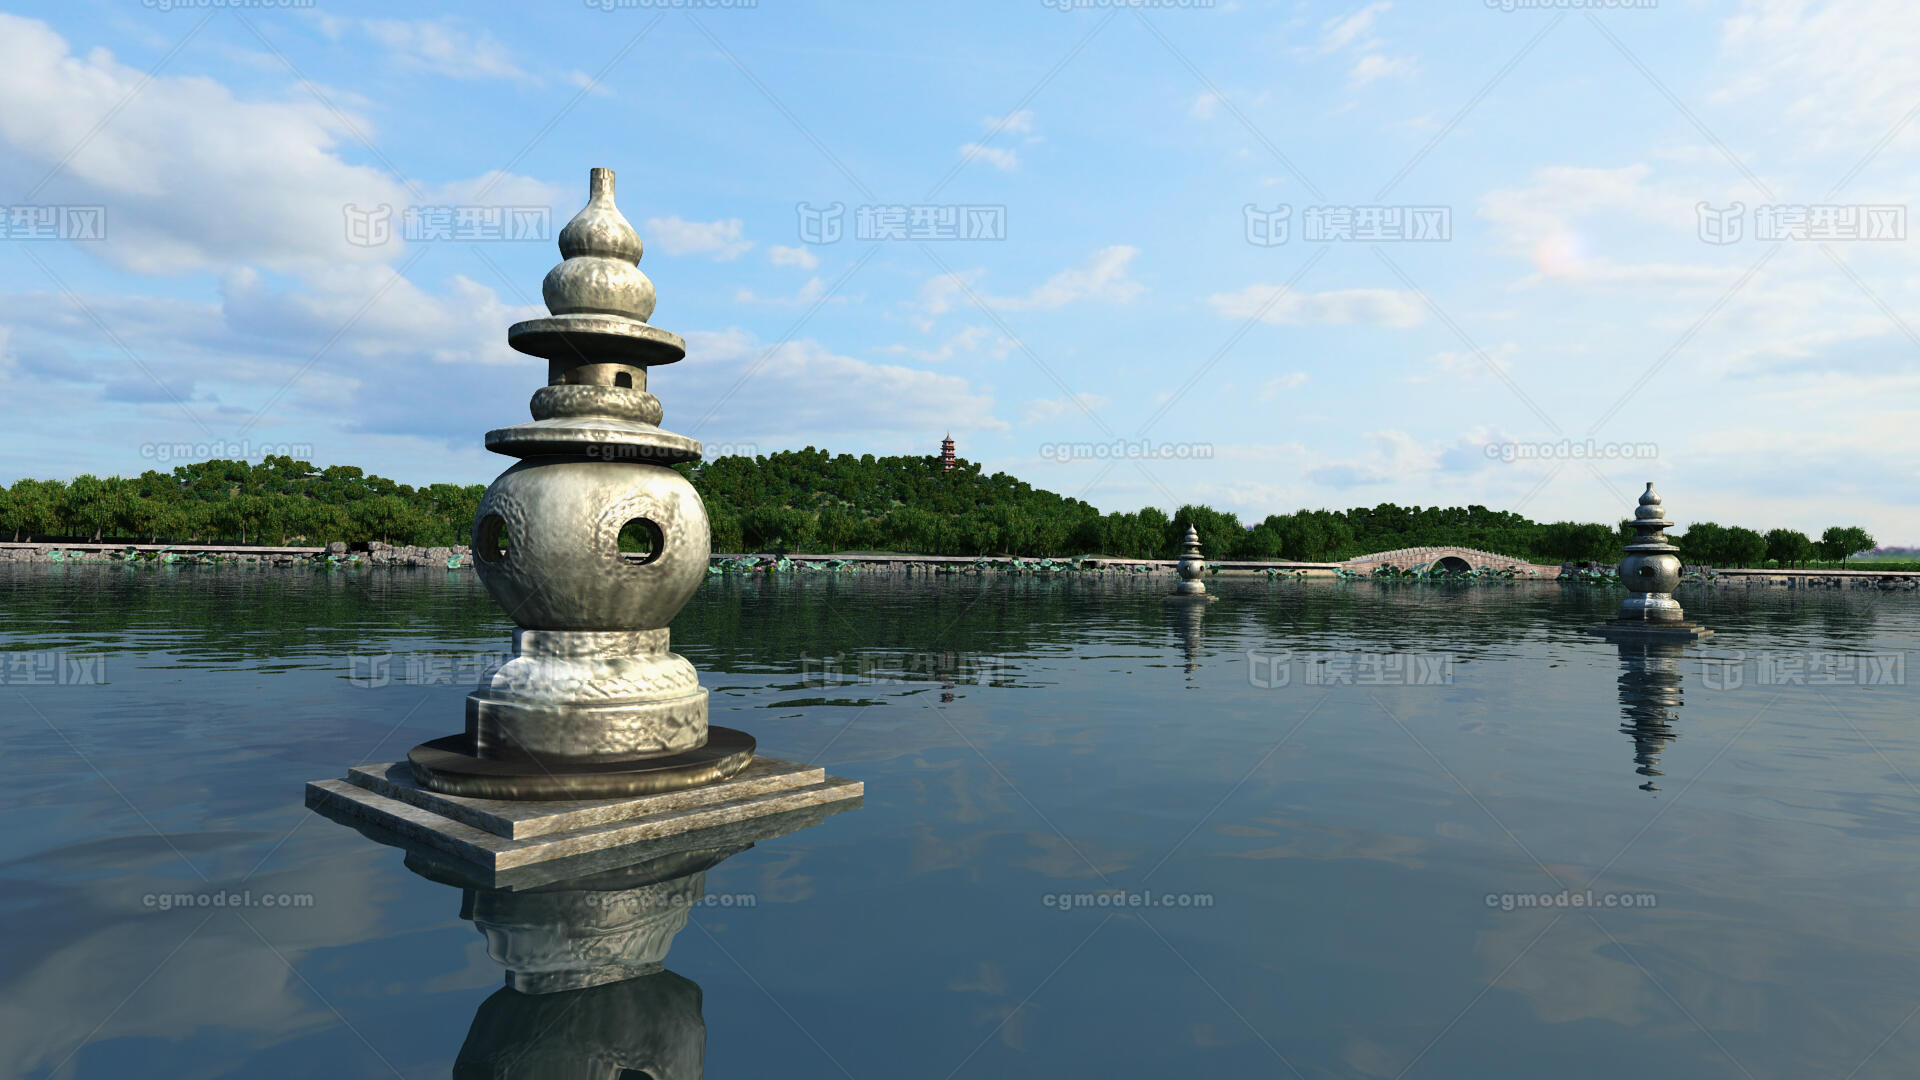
(1657,572)
(558,565)
(593,284)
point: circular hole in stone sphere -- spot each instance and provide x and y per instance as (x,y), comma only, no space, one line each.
(643,538)
(490,540)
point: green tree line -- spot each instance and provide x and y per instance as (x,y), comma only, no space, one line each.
(279,501)
(811,501)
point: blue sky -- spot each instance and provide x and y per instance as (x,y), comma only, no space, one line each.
(1672,236)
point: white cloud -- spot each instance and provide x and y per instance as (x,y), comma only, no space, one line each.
(1053,408)
(1103,280)
(1279,384)
(815,288)
(1206,104)
(1004,160)
(719,240)
(383,316)
(1839,75)
(1394,455)
(444,47)
(1559,196)
(773,398)
(1554,220)
(971,341)
(1461,463)
(781,255)
(388,345)
(941,293)
(1353,34)
(505,190)
(582,81)
(1019,122)
(194,178)
(1277,305)
(1373,66)
(1338,33)
(1458,366)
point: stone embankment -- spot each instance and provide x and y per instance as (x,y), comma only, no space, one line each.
(375,553)
(1819,579)
(367,554)
(955,564)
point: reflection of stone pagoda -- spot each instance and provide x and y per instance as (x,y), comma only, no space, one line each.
(946,453)
(584,944)
(1650,700)
(1192,636)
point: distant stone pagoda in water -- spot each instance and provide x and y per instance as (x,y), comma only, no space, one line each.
(1651,571)
(592,704)
(1191,568)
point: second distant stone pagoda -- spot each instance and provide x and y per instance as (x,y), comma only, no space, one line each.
(1191,568)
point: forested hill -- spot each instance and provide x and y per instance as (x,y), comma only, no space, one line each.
(808,500)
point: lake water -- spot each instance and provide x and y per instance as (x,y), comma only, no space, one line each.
(1337,806)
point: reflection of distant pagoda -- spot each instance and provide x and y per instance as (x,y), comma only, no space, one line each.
(946,453)
(1650,682)
(1191,617)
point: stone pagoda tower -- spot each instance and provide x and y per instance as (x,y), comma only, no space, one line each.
(592,542)
(1190,569)
(1651,571)
(591,687)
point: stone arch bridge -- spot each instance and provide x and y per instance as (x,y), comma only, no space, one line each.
(1454,559)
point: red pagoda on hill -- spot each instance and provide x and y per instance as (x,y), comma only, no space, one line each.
(946,453)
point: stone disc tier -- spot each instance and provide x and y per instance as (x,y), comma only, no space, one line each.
(618,338)
(594,436)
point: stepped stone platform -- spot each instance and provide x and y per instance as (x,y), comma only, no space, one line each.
(502,834)
(669,856)
(1645,630)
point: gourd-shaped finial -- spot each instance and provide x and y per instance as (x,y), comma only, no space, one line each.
(1649,504)
(598,274)
(1649,519)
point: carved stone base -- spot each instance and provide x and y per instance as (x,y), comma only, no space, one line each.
(1648,630)
(586,695)
(501,834)
(449,765)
